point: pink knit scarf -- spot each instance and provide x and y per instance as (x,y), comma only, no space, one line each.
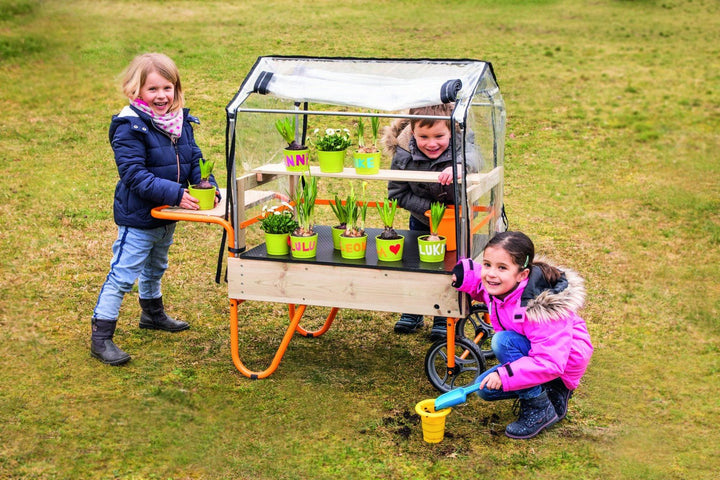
(169,122)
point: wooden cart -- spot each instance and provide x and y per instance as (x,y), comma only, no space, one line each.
(328,279)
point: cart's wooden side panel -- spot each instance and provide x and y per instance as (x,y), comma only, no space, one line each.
(484,183)
(342,286)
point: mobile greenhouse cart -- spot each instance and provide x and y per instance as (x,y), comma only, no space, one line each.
(309,89)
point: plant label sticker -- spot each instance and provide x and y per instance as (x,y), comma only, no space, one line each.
(295,160)
(432,249)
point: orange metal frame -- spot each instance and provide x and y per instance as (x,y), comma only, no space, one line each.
(295,312)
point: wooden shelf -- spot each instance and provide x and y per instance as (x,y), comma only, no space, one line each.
(384,174)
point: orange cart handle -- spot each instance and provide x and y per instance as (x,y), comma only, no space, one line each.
(164,214)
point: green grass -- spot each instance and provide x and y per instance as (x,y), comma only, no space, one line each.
(611,167)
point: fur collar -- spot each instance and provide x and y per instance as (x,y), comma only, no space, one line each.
(397,135)
(548,302)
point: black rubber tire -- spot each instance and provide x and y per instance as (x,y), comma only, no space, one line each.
(474,324)
(465,372)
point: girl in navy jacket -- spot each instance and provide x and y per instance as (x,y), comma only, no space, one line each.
(157,158)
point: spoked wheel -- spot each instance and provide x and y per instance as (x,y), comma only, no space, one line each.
(477,329)
(469,364)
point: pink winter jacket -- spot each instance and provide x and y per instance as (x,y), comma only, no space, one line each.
(546,315)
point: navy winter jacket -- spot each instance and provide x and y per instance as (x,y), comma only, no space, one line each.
(153,169)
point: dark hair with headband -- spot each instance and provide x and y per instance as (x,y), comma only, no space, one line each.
(522,251)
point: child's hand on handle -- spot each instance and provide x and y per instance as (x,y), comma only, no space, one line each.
(445,177)
(492,382)
(466,276)
(189,202)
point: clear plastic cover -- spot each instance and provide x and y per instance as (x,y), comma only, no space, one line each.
(388,85)
(314,88)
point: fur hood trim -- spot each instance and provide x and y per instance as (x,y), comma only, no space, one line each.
(397,134)
(557,302)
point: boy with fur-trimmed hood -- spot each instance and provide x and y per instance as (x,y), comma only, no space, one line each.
(422,144)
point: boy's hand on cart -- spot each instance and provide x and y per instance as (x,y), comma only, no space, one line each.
(445,177)
(492,382)
(189,202)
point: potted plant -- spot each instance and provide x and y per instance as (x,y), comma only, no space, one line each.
(296,156)
(389,243)
(341,213)
(447,227)
(303,241)
(204,191)
(353,242)
(367,157)
(432,247)
(331,148)
(277,223)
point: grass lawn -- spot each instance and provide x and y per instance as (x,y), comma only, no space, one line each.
(611,167)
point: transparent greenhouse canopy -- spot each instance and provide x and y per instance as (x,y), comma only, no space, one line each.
(380,84)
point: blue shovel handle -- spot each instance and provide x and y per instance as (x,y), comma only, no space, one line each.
(455,397)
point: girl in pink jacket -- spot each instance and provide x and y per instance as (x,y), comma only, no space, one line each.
(542,345)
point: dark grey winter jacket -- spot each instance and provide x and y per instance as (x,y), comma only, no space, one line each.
(416,197)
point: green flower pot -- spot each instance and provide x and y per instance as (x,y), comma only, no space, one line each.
(389,250)
(297,160)
(336,232)
(331,162)
(303,247)
(431,251)
(206,196)
(277,243)
(447,227)
(366,163)
(353,247)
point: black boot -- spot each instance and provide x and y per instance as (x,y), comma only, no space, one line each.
(154,317)
(535,415)
(409,323)
(439,329)
(101,343)
(559,396)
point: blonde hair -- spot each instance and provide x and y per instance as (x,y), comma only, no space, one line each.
(143,65)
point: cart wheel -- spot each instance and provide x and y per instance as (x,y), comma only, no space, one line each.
(469,364)
(476,320)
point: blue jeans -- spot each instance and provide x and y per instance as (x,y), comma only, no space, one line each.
(508,346)
(137,255)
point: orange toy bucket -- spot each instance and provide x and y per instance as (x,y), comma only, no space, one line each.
(447,228)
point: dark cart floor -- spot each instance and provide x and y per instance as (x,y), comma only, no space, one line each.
(326,254)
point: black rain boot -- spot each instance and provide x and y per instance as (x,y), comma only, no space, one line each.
(101,343)
(439,329)
(409,323)
(154,317)
(559,396)
(535,415)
